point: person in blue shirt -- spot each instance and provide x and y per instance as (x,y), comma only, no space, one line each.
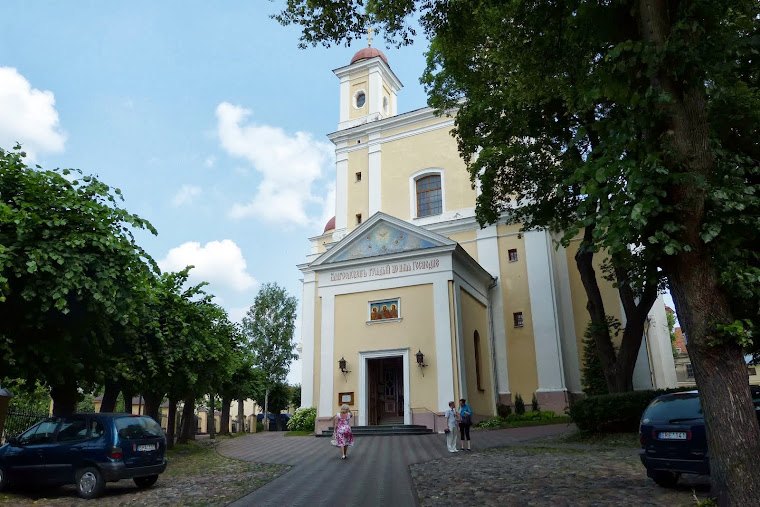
(465,421)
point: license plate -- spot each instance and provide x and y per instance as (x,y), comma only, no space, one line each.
(146,447)
(672,435)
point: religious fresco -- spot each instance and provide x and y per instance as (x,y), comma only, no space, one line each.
(383,310)
(383,239)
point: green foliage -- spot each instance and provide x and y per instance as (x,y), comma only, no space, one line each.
(69,264)
(295,396)
(503,410)
(32,398)
(545,417)
(269,325)
(534,404)
(259,427)
(519,405)
(86,404)
(613,413)
(592,372)
(672,331)
(303,420)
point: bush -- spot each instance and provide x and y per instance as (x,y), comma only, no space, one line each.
(303,420)
(519,405)
(511,419)
(594,383)
(503,410)
(259,427)
(534,404)
(613,413)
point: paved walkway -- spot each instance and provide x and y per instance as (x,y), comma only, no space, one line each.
(376,472)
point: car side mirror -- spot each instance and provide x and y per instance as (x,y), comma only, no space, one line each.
(14,442)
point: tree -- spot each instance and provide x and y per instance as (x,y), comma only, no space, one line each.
(295,396)
(68,266)
(269,325)
(671,316)
(667,162)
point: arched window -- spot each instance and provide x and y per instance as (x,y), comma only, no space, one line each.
(429,196)
(476,339)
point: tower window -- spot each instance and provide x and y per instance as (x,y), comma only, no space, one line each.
(518,316)
(476,340)
(429,196)
(361,98)
(358,177)
(512,255)
(358,218)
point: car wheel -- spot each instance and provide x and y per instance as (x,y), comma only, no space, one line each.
(3,478)
(90,483)
(145,482)
(665,479)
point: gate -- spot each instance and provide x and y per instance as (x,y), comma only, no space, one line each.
(19,420)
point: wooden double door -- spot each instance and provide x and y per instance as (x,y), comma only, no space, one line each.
(386,390)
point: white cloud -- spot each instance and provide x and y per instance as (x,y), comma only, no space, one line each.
(220,263)
(237,313)
(289,165)
(209,162)
(186,195)
(28,116)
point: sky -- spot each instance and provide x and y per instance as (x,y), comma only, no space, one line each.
(209,119)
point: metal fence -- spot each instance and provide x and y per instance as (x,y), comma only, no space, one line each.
(18,420)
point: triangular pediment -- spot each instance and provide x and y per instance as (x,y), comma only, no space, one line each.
(382,235)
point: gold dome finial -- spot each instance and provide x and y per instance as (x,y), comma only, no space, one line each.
(369,37)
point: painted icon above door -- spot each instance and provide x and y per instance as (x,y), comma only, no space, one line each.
(388,309)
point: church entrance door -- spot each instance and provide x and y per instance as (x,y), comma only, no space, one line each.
(386,390)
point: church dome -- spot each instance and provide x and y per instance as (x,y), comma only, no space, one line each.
(330,226)
(364,54)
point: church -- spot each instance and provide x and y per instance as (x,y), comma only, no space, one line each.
(408,304)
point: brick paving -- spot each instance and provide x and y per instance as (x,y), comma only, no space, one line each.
(376,472)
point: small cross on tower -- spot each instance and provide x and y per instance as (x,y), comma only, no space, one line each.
(369,37)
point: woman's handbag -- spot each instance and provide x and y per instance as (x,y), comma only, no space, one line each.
(334,443)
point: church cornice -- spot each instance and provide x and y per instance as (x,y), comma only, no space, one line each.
(343,72)
(377,127)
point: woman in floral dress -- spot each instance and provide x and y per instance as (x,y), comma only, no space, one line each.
(344,437)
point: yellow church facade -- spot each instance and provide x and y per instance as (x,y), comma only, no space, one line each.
(408,304)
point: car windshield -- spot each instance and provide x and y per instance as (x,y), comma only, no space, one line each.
(130,428)
(681,407)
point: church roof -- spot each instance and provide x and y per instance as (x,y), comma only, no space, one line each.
(330,225)
(366,53)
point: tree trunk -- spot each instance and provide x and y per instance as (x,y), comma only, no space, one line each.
(127,394)
(600,331)
(171,422)
(65,398)
(224,428)
(188,420)
(266,410)
(241,417)
(153,405)
(110,396)
(211,421)
(733,434)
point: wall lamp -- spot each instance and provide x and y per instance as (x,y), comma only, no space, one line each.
(342,366)
(420,361)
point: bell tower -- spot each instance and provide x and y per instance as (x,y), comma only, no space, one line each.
(368,88)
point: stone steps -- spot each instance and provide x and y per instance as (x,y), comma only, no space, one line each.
(390,429)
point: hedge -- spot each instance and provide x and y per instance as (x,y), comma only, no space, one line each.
(613,413)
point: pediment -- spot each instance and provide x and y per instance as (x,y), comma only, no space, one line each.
(382,235)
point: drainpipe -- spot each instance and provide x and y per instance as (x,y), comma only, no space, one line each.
(649,354)
(492,339)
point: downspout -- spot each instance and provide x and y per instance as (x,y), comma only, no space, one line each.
(494,370)
(649,354)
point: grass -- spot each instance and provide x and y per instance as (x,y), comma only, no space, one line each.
(521,424)
(301,433)
(617,440)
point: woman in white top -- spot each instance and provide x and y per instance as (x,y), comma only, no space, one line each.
(344,437)
(451,428)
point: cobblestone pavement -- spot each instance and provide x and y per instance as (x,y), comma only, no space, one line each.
(557,476)
(207,479)
(376,472)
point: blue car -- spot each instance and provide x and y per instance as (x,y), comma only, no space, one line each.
(86,450)
(673,438)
